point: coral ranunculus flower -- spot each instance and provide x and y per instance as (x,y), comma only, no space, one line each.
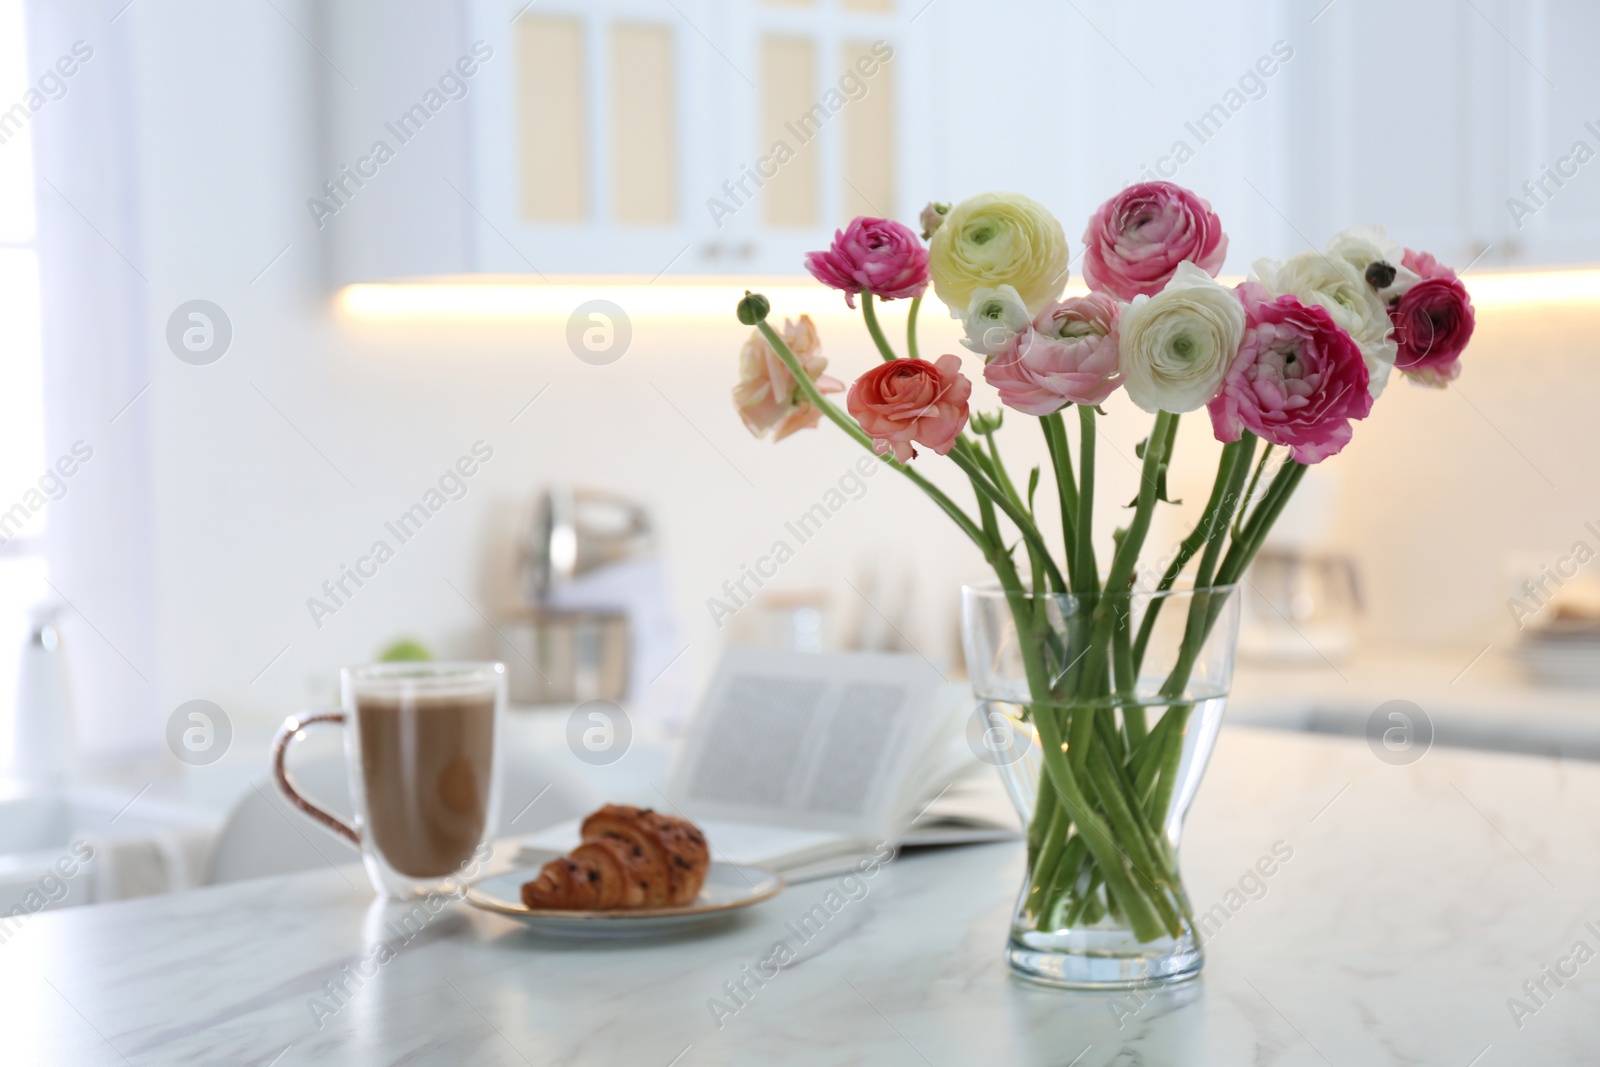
(906,400)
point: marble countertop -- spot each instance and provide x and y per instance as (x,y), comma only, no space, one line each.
(1472,697)
(1415,903)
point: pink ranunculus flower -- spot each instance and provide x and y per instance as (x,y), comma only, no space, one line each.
(906,400)
(1297,381)
(1433,322)
(1136,240)
(1069,357)
(767,395)
(877,256)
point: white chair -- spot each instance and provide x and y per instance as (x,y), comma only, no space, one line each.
(265,835)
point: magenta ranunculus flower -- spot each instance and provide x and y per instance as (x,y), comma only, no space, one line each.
(1297,381)
(1070,356)
(877,256)
(906,400)
(1136,240)
(1433,322)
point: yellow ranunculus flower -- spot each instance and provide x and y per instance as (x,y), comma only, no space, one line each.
(996,239)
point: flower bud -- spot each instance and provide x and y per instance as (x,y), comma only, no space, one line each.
(931,218)
(753,308)
(985,423)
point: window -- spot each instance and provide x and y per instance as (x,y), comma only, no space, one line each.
(21,398)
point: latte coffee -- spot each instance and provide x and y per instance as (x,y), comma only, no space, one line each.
(427,763)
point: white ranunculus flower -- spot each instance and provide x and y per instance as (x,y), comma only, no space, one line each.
(1363,246)
(1178,345)
(993,318)
(1335,285)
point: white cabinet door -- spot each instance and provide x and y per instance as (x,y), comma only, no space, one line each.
(591,135)
(1471,129)
(1396,119)
(684,136)
(819,124)
(1549,207)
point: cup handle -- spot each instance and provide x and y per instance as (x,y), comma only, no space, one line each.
(280,748)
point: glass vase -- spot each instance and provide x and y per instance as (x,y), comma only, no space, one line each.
(1101,712)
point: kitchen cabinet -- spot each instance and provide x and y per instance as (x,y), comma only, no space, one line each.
(633,136)
(1469,127)
(651,137)
(1550,211)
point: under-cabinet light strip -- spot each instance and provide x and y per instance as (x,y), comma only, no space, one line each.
(715,298)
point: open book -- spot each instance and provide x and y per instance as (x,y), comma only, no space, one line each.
(798,761)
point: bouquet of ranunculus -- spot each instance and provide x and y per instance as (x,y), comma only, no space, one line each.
(1284,363)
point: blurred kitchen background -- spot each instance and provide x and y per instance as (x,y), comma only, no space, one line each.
(261,340)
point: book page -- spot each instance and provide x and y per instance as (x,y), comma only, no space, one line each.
(817,741)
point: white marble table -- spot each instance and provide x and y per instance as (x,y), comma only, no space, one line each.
(1474,698)
(1417,900)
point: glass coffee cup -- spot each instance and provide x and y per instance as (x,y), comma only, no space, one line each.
(422,749)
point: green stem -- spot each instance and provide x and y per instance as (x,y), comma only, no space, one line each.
(1166,766)
(1146,762)
(1014,511)
(1114,600)
(911,328)
(1155,457)
(1133,843)
(998,467)
(1088,571)
(1141,915)
(871,315)
(1055,436)
(1206,606)
(1255,480)
(1256,528)
(848,425)
(1060,881)
(1087,905)
(1221,504)
(1044,813)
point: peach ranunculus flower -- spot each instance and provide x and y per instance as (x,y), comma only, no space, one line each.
(767,395)
(906,400)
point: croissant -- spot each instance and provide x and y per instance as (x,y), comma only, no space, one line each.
(630,858)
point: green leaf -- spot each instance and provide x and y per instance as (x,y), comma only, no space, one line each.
(1161,485)
(1033,483)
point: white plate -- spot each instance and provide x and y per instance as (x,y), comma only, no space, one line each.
(727,889)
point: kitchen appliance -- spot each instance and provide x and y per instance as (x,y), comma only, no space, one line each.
(577,531)
(597,623)
(555,656)
(1300,606)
